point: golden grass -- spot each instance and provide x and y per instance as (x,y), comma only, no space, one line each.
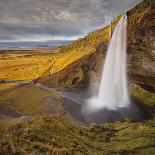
(4,86)
(28,67)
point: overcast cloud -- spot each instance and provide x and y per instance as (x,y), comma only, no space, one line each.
(56,19)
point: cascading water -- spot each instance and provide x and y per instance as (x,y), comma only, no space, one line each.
(113,91)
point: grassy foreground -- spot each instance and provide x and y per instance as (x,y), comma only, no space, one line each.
(58,136)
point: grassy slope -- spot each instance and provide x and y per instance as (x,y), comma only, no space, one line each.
(142,95)
(27,100)
(6,86)
(53,134)
(23,67)
(29,67)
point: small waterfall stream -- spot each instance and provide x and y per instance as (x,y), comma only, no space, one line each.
(113,91)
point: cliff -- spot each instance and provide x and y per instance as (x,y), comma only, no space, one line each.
(141,55)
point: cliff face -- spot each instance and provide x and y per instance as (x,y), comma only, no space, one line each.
(141,54)
(141,43)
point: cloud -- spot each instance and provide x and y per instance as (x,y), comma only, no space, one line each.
(27,19)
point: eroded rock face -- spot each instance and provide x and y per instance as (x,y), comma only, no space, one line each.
(141,43)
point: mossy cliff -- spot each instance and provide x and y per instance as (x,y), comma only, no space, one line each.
(141,53)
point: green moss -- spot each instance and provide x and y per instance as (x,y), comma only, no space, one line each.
(54,134)
(142,95)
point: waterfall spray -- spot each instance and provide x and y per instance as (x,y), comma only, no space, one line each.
(113,91)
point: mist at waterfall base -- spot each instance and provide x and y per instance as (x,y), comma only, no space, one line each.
(112,101)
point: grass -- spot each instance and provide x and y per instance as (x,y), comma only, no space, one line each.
(142,95)
(5,124)
(19,66)
(27,100)
(56,135)
(6,86)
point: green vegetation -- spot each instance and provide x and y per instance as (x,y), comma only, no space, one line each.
(142,95)
(28,100)
(56,135)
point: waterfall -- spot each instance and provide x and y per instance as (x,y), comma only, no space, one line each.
(113,91)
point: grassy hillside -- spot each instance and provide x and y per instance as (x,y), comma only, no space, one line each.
(30,66)
(28,100)
(55,135)
(7,86)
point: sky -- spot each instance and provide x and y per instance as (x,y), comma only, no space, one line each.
(36,20)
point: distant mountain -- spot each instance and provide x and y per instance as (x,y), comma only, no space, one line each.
(34,44)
